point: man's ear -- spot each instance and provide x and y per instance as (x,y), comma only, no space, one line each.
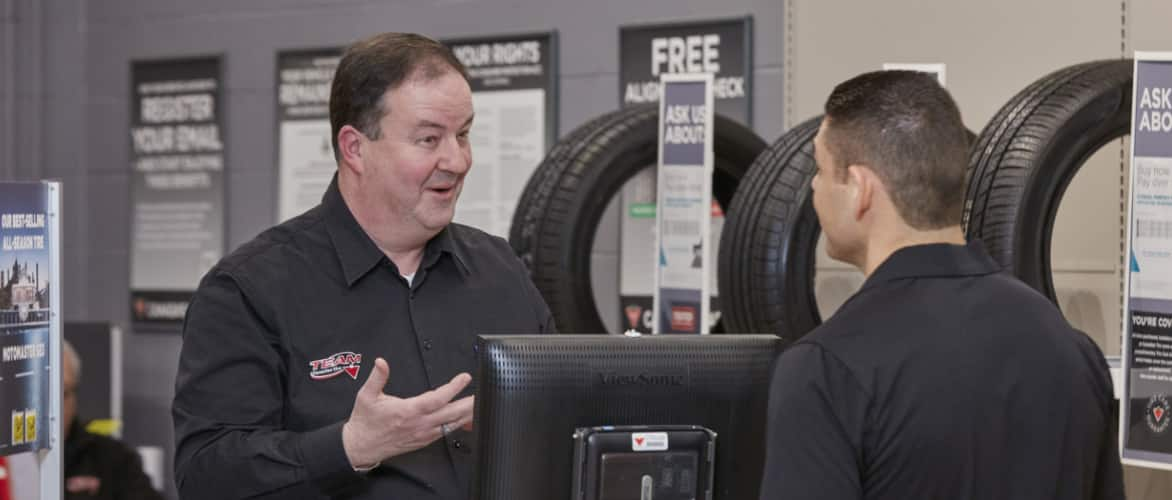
(350,142)
(862,182)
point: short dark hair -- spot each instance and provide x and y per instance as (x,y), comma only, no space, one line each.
(905,127)
(371,67)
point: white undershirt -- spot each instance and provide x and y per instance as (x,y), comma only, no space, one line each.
(409,278)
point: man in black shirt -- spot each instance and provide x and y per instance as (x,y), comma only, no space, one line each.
(96,467)
(942,378)
(375,285)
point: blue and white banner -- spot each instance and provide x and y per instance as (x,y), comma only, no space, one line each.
(27,279)
(684,206)
(1146,404)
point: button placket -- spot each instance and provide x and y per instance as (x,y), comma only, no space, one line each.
(424,344)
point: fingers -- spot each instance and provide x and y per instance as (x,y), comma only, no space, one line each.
(432,401)
(465,422)
(454,414)
(374,384)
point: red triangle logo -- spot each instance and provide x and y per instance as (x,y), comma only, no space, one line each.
(639,441)
(352,371)
(1159,413)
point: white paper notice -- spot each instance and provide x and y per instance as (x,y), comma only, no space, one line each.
(508,142)
(1151,241)
(307,165)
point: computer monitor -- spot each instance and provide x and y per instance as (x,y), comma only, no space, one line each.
(534,391)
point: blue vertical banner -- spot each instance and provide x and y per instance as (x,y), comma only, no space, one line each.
(684,205)
(1146,405)
(27,275)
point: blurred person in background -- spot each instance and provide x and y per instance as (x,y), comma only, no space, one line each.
(97,467)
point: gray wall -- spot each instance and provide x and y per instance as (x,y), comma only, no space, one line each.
(68,114)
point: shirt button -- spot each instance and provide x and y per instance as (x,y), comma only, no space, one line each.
(458,444)
(427,345)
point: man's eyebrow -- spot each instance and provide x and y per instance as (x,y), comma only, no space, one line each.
(431,124)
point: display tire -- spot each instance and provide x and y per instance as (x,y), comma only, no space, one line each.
(555,222)
(766,258)
(1026,156)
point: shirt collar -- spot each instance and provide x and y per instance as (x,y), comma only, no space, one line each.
(359,254)
(934,260)
(445,243)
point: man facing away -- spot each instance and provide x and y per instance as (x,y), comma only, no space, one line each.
(942,378)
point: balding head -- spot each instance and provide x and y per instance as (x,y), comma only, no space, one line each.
(70,378)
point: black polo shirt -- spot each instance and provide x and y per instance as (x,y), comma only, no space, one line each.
(942,379)
(102,468)
(283,332)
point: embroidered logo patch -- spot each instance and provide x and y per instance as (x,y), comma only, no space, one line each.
(329,367)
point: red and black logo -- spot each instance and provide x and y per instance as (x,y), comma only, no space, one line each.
(1157,414)
(342,362)
(683,318)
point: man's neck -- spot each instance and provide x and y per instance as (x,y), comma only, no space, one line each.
(399,239)
(882,248)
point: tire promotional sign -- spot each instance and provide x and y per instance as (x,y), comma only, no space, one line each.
(305,153)
(722,48)
(514,95)
(683,239)
(1146,413)
(28,312)
(177,186)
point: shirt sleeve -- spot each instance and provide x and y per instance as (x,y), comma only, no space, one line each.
(228,409)
(1109,473)
(816,419)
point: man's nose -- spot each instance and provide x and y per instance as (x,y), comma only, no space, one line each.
(457,157)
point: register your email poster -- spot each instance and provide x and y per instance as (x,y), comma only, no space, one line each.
(1146,428)
(684,209)
(24,315)
(176,186)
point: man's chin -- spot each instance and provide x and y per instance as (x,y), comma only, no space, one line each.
(437,220)
(836,253)
(846,256)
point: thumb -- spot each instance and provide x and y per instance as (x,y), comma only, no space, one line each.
(374,384)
